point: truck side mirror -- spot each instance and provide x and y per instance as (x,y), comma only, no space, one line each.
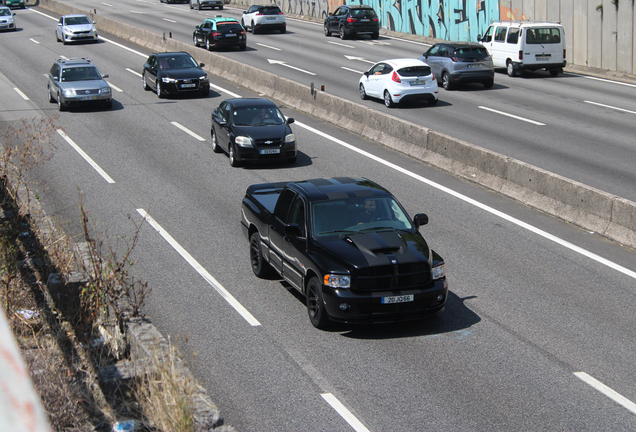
(292,230)
(420,219)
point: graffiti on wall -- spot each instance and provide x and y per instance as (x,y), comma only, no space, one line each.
(444,19)
(507,14)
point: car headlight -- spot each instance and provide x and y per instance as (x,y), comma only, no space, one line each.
(203,78)
(439,271)
(243,141)
(69,93)
(337,281)
(104,90)
(167,80)
(290,138)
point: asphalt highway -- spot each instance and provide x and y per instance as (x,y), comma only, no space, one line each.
(538,332)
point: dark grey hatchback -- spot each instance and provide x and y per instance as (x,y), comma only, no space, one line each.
(352,20)
(460,62)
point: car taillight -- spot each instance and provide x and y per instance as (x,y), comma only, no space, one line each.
(395,77)
(520,55)
(259,14)
(455,59)
(433,73)
(215,34)
(351,19)
(242,32)
(376,19)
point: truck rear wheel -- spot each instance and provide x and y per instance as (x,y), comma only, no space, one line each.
(260,267)
(316,305)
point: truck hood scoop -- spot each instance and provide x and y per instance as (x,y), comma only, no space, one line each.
(377,246)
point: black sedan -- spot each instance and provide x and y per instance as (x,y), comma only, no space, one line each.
(220,32)
(174,73)
(252,129)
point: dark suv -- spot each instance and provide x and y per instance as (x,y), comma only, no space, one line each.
(460,62)
(353,20)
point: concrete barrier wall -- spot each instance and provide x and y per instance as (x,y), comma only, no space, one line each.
(589,208)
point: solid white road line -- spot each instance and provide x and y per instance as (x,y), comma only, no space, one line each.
(362,59)
(475,203)
(133,72)
(513,116)
(282,63)
(169,20)
(601,79)
(344,412)
(199,268)
(221,89)
(115,88)
(616,397)
(351,70)
(34,41)
(124,47)
(612,107)
(340,44)
(18,91)
(270,47)
(86,157)
(188,131)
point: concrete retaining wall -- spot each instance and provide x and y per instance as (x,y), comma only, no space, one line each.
(589,208)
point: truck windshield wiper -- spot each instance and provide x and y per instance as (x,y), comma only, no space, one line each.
(338,232)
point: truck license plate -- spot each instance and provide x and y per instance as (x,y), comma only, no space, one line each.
(398,299)
(543,58)
(270,151)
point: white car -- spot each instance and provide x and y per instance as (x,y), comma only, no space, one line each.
(75,28)
(7,20)
(399,80)
(258,18)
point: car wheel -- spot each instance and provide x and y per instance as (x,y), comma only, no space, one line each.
(233,161)
(160,94)
(446,82)
(327,31)
(315,304)
(283,30)
(215,146)
(375,35)
(207,44)
(144,83)
(510,68)
(63,40)
(57,38)
(253,28)
(60,104)
(48,90)
(555,72)
(194,41)
(260,267)
(363,93)
(488,84)
(343,33)
(388,101)
(221,7)
(243,24)
(433,101)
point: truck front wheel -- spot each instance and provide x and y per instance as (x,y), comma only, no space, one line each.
(260,267)
(316,305)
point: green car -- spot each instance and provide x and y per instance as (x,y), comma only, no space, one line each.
(14,3)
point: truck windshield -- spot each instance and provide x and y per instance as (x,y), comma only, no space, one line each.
(354,215)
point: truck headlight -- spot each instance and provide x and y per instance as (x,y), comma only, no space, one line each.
(290,138)
(439,271)
(243,141)
(337,281)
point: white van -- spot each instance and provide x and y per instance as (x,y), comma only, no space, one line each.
(521,45)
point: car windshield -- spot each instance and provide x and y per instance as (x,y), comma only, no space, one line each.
(363,12)
(77,20)
(177,62)
(471,53)
(85,73)
(354,215)
(5,12)
(548,35)
(415,71)
(258,116)
(269,11)
(228,25)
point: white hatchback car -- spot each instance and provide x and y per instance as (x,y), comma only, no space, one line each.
(75,28)
(399,80)
(258,18)
(7,20)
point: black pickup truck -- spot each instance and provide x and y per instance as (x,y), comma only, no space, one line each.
(348,246)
